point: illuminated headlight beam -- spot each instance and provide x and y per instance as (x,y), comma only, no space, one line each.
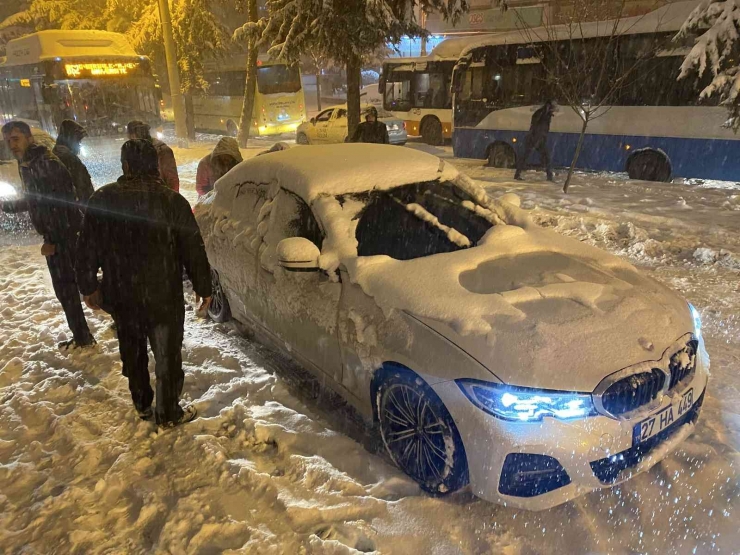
(526,404)
(7,191)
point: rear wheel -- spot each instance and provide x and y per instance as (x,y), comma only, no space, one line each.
(219,308)
(649,165)
(420,435)
(231,129)
(301,139)
(431,131)
(501,155)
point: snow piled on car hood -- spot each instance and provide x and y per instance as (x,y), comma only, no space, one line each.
(536,308)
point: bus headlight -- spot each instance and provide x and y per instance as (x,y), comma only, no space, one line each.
(526,404)
(7,190)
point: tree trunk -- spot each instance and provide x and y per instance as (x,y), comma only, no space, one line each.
(250,85)
(190,115)
(354,70)
(576,155)
(318,89)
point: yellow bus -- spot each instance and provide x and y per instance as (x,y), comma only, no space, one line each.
(93,77)
(279,105)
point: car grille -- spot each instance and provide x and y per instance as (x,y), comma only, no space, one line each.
(632,392)
(683,363)
(607,470)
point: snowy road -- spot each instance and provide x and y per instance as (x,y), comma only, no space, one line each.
(275,466)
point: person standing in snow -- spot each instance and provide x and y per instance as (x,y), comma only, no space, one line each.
(67,149)
(166,158)
(49,198)
(371,130)
(537,140)
(141,234)
(213,166)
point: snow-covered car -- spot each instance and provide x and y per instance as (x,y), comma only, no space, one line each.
(487,349)
(10,181)
(330,126)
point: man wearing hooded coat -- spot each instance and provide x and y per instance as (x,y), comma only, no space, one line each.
(141,234)
(67,149)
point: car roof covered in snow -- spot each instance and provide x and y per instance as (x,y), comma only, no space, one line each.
(329,170)
(52,44)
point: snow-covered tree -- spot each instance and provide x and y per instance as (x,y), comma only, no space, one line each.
(716,24)
(345,31)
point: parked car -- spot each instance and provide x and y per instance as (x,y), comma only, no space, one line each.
(487,349)
(330,126)
(10,182)
(371,95)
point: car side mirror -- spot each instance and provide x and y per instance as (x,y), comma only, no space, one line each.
(297,254)
(313,121)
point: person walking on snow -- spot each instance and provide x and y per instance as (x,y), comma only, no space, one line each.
(141,234)
(215,165)
(67,149)
(537,140)
(371,130)
(49,198)
(166,158)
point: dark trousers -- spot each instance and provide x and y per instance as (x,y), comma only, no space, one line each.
(134,328)
(61,269)
(532,143)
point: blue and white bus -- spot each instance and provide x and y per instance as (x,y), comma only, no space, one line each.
(655,129)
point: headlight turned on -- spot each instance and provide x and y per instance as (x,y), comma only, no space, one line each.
(697,320)
(526,404)
(7,191)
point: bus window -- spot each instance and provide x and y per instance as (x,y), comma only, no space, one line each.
(398,91)
(431,90)
(278,79)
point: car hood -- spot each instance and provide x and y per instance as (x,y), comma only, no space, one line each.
(535,308)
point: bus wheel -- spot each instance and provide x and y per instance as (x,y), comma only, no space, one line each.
(501,155)
(231,129)
(301,139)
(431,132)
(649,164)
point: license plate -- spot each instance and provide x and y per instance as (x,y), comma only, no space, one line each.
(660,421)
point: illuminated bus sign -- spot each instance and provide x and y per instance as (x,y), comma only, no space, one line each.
(25,82)
(104,69)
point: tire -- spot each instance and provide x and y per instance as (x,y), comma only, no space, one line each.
(420,435)
(501,155)
(219,310)
(649,165)
(431,132)
(302,139)
(232,130)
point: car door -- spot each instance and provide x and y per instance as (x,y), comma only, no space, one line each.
(338,126)
(235,244)
(320,128)
(299,308)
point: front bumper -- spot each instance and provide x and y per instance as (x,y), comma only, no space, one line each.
(271,128)
(587,449)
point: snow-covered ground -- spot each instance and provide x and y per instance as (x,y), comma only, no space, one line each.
(277,465)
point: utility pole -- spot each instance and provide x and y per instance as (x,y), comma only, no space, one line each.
(173,74)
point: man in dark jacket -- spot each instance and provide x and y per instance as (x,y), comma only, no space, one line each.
(371,130)
(141,234)
(67,149)
(166,158)
(537,140)
(49,198)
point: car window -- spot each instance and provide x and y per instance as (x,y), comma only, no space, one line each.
(341,113)
(419,220)
(325,115)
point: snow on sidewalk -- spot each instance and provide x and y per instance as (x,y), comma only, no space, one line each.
(265,468)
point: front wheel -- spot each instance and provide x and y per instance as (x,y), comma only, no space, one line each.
(649,165)
(431,132)
(420,435)
(301,139)
(218,310)
(501,155)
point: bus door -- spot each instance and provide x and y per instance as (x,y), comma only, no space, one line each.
(46,118)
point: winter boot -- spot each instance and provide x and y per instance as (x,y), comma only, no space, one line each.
(146,414)
(188,415)
(518,176)
(72,345)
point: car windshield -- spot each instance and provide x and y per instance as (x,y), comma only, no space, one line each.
(419,220)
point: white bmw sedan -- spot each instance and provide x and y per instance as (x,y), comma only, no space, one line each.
(487,350)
